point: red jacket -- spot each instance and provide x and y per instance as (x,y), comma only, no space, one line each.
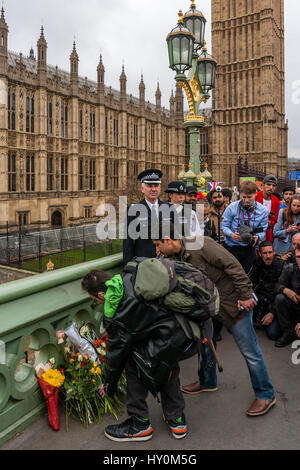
(275,207)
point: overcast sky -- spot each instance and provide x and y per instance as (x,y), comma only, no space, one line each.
(132,32)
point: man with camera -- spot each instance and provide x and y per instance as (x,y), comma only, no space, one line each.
(267,271)
(245,223)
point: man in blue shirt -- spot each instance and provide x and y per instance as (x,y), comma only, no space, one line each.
(244,225)
(288,192)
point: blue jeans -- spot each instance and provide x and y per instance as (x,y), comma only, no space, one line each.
(273,330)
(246,340)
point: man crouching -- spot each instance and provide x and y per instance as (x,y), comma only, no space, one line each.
(147,342)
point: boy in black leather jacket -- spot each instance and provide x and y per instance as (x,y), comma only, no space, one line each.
(148,343)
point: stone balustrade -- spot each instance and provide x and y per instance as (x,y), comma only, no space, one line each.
(31,311)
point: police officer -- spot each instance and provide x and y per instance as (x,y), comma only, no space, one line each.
(144,217)
(191,196)
(186,216)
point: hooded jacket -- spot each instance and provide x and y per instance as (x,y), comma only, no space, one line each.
(275,207)
(224,270)
(153,338)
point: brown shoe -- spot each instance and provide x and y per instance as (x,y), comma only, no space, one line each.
(195,388)
(260,407)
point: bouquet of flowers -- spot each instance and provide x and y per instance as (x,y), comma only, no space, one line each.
(84,374)
(50,381)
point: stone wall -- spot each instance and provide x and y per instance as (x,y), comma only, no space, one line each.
(8,274)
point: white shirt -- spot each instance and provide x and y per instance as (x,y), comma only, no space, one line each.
(268,205)
(195,229)
(153,205)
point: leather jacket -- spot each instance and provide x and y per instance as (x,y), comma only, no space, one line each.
(152,337)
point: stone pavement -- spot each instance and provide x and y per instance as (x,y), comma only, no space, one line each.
(217,421)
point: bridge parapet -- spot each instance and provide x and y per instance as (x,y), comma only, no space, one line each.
(31,310)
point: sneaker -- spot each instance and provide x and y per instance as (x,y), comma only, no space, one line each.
(133,429)
(178,427)
(195,388)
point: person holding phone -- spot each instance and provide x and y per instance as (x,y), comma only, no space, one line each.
(287,226)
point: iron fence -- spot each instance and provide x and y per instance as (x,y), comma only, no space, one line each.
(245,170)
(63,246)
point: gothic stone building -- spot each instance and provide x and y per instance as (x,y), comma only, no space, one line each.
(248,100)
(67,143)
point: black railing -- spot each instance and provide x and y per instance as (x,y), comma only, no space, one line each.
(244,170)
(62,246)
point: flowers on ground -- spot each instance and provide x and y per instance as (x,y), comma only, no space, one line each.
(53,377)
(82,379)
(50,381)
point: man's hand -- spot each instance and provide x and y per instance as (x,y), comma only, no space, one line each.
(236,236)
(286,255)
(291,295)
(159,253)
(255,240)
(267,319)
(247,304)
(297,329)
(101,391)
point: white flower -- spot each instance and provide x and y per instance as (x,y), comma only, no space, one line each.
(67,350)
(101,351)
(80,358)
(52,360)
(84,330)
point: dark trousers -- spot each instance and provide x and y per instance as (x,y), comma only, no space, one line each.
(246,255)
(264,307)
(288,313)
(172,401)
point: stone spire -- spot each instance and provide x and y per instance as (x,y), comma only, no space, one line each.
(100,74)
(74,61)
(142,92)
(158,99)
(123,81)
(3,43)
(42,56)
(172,103)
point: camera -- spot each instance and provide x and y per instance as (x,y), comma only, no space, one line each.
(246,234)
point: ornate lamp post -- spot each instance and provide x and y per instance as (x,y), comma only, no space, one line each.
(187,52)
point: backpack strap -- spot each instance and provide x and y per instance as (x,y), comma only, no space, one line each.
(130,267)
(190,328)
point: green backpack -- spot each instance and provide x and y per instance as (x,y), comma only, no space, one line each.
(177,286)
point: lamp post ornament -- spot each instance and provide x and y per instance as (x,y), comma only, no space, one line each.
(188,53)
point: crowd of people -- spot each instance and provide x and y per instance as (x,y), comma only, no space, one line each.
(250,253)
(262,231)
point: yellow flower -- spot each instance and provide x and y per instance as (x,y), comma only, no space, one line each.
(98,371)
(94,381)
(95,364)
(53,377)
(93,370)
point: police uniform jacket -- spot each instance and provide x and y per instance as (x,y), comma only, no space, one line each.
(141,247)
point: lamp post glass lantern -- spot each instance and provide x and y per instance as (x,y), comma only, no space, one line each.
(187,52)
(206,66)
(195,22)
(180,46)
